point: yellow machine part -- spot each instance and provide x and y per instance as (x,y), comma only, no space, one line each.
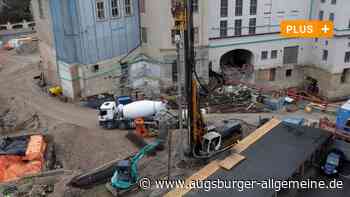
(56,90)
(197,122)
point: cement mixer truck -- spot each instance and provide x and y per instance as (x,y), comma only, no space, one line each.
(120,115)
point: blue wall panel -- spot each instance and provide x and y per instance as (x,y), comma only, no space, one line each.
(80,38)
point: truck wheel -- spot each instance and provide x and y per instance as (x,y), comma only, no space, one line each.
(122,126)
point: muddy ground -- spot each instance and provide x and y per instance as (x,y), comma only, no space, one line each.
(80,144)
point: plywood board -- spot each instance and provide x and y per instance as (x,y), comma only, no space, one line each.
(202,174)
(256,135)
(229,162)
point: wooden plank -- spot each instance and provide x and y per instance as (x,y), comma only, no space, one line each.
(229,162)
(202,174)
(256,135)
(213,166)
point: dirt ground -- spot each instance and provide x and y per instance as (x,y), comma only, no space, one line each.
(80,143)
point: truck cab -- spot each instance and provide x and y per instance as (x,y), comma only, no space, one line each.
(106,115)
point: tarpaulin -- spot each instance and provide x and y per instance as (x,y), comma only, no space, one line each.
(13,167)
(14,146)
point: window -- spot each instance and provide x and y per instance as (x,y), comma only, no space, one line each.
(142,6)
(320,15)
(128,7)
(41,10)
(264,55)
(290,55)
(252,26)
(272,74)
(224,8)
(95,68)
(195,5)
(331,16)
(347,57)
(323,1)
(223,28)
(196,35)
(238,27)
(274,54)
(325,55)
(174,71)
(349,24)
(253,7)
(334,2)
(345,75)
(239,8)
(115,8)
(289,72)
(100,10)
(174,32)
(144,34)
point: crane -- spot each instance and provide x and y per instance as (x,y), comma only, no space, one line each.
(204,141)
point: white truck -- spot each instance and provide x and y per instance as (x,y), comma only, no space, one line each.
(112,115)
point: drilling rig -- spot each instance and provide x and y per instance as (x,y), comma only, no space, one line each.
(204,141)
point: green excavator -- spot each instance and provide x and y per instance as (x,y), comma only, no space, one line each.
(126,175)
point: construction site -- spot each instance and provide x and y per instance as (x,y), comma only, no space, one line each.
(119,127)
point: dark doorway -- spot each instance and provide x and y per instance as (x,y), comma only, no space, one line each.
(237,65)
(237,58)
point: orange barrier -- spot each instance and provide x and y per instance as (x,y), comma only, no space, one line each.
(14,167)
(36,148)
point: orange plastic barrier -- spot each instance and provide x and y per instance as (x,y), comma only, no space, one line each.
(36,148)
(14,167)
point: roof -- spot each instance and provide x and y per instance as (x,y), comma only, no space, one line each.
(277,154)
(107,105)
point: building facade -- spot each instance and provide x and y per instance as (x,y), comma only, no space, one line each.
(83,42)
(158,36)
(247,32)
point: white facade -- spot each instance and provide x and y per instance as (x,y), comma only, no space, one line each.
(266,39)
(158,22)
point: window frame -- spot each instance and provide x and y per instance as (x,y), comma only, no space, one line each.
(325,55)
(253,7)
(97,10)
(274,54)
(347,57)
(239,8)
(289,73)
(252,26)
(144,34)
(238,29)
(333,2)
(264,55)
(119,10)
(223,29)
(223,9)
(331,16)
(321,15)
(131,6)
